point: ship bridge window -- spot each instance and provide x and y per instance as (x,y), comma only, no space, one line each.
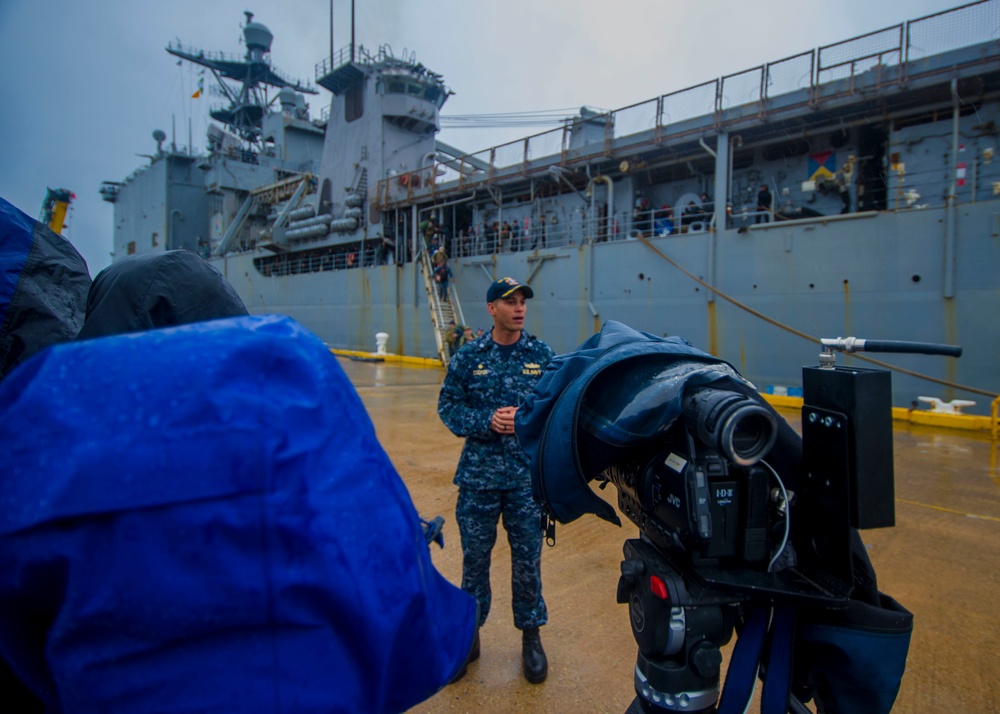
(413,88)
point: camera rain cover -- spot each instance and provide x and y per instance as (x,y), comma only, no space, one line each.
(620,389)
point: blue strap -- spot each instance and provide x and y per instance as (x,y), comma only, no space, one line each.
(739,684)
(434,530)
(779,663)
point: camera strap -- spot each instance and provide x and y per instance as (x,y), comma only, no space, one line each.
(748,654)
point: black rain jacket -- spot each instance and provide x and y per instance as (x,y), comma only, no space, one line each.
(145,292)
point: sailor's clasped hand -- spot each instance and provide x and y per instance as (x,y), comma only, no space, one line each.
(502,421)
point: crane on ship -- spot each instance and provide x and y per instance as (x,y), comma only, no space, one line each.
(54,208)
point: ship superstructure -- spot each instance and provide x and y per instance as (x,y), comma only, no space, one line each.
(847,190)
(206,203)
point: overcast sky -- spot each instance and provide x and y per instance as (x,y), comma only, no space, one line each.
(83,84)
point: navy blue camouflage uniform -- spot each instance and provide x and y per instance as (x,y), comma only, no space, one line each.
(493,475)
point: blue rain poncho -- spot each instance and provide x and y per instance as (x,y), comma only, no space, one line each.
(43,287)
(200,519)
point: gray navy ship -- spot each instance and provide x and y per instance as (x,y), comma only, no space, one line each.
(852,189)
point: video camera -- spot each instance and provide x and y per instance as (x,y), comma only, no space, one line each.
(734,509)
(699,490)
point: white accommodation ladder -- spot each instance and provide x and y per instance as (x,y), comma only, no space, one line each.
(441,310)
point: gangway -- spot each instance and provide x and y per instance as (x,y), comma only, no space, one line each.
(441,310)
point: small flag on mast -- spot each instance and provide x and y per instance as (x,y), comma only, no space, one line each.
(201,85)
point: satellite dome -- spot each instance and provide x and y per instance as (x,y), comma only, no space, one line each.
(256,35)
(286,97)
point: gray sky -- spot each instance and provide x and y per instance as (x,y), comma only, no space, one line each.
(84,83)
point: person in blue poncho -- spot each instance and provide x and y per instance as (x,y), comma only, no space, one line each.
(200,518)
(43,293)
(43,287)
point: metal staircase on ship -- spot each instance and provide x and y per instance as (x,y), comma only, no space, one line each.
(441,310)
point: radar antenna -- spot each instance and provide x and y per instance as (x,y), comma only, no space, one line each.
(252,73)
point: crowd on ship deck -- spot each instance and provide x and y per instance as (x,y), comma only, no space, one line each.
(315,260)
(551,227)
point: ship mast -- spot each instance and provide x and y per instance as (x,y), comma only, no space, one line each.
(248,102)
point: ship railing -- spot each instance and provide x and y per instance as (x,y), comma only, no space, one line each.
(572,230)
(877,58)
(849,58)
(345,55)
(321,260)
(196,54)
(952,29)
(929,188)
(209,55)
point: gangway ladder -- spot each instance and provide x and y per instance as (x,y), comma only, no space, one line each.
(441,310)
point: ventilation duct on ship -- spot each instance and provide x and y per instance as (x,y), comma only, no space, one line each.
(309,222)
(343,225)
(312,227)
(308,228)
(302,213)
(308,232)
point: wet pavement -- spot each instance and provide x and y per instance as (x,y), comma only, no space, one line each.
(941,561)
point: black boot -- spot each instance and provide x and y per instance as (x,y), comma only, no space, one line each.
(473,656)
(536,666)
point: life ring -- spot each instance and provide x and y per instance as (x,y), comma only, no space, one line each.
(404,180)
(416,180)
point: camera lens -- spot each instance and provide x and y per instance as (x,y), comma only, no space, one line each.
(731,423)
(748,435)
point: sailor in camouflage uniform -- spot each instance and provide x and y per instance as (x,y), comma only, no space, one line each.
(487,381)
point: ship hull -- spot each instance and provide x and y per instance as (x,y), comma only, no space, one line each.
(883,275)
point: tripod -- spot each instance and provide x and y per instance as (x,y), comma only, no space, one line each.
(679,627)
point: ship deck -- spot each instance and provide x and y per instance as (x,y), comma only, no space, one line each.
(942,561)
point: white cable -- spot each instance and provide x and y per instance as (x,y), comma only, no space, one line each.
(788,517)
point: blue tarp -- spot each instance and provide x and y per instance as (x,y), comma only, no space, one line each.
(200,518)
